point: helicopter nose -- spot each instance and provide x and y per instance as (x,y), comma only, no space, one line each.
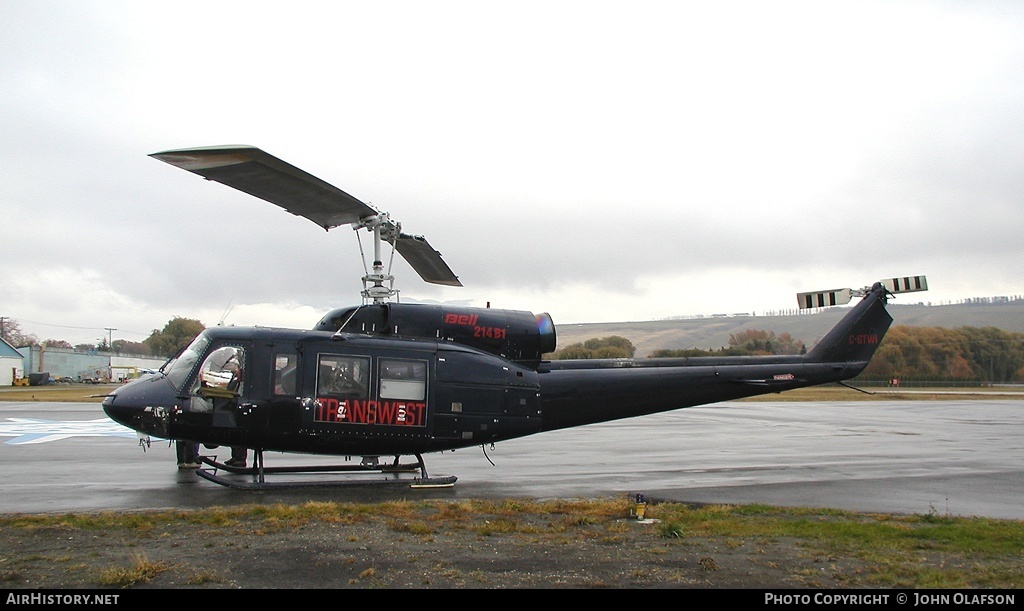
(124,415)
(142,406)
(138,417)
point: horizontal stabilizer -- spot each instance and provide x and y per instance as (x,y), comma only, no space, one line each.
(824,299)
(906,284)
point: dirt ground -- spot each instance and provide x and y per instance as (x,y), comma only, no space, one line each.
(427,549)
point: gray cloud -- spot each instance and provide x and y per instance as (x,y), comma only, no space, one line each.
(596,163)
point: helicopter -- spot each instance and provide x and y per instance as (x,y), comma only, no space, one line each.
(386,380)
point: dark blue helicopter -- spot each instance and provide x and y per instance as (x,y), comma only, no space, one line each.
(387,379)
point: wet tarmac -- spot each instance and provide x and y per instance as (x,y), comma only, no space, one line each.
(956,457)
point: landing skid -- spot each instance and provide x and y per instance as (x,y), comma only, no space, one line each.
(376,475)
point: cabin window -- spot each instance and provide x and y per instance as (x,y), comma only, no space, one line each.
(403,379)
(284,374)
(343,376)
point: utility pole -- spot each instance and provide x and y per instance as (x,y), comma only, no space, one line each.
(110,338)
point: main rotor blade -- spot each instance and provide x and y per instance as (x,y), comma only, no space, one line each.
(262,175)
(425,260)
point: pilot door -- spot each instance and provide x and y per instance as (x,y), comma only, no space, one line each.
(358,394)
(217,396)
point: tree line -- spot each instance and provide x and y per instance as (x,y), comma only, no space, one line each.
(963,354)
(166,342)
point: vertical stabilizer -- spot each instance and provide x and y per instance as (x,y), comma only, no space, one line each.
(858,334)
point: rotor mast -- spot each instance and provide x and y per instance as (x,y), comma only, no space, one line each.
(382,228)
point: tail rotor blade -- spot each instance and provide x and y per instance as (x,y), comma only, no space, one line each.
(824,299)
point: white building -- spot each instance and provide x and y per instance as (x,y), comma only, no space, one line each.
(11,364)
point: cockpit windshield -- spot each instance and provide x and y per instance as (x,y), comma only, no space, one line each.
(177,370)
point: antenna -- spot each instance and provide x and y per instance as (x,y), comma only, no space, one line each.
(223,316)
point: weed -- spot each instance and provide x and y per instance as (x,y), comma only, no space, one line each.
(671,529)
(199,578)
(708,564)
(498,526)
(141,570)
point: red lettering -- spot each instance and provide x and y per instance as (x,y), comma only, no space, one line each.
(461,319)
(357,412)
(329,410)
(353,411)
(864,338)
(403,414)
(387,413)
(490,332)
(416,414)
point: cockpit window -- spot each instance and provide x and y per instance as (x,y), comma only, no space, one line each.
(177,369)
(223,371)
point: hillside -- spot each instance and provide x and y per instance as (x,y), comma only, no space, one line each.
(713,332)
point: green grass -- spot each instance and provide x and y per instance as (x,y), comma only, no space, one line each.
(921,551)
(57,393)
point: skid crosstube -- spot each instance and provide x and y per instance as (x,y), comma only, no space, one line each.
(379,475)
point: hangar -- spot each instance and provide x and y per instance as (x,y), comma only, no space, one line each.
(78,366)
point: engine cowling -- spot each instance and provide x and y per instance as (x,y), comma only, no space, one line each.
(513,334)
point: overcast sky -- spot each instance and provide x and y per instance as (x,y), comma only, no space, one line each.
(600,161)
